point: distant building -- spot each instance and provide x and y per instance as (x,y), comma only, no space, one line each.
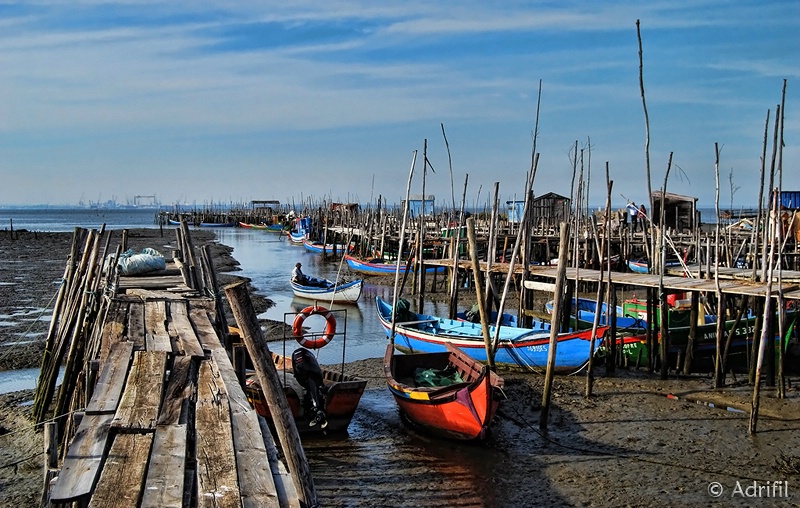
(790,200)
(266,206)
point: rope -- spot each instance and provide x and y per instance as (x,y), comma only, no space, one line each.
(27,429)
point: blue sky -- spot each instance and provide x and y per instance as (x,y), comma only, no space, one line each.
(208,102)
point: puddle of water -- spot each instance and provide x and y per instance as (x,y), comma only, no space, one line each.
(22,379)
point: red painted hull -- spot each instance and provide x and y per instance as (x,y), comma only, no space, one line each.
(463,410)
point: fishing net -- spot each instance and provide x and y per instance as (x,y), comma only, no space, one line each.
(436,377)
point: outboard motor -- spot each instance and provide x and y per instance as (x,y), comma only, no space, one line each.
(309,375)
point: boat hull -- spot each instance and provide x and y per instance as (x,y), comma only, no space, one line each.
(328,248)
(462,411)
(343,394)
(521,347)
(348,292)
(380,268)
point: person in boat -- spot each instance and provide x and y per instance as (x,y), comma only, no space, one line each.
(308,373)
(298,277)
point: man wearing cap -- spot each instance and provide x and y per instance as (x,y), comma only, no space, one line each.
(298,277)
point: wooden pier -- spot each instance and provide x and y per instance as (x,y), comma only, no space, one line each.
(155,413)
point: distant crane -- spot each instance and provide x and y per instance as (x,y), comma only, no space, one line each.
(145,200)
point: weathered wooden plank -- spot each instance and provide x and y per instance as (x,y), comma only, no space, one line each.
(113,327)
(156,282)
(284,485)
(136,328)
(180,389)
(122,478)
(207,335)
(187,338)
(155,319)
(255,477)
(138,409)
(165,477)
(256,483)
(83,459)
(217,483)
(111,382)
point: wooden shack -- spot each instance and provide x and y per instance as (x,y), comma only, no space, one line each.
(680,212)
(549,210)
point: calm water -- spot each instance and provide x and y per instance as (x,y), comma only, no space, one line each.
(67,219)
(267,259)
(264,257)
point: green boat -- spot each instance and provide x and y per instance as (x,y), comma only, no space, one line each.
(634,343)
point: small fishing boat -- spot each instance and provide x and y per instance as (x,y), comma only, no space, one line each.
(247,225)
(643,266)
(276,228)
(342,393)
(521,347)
(297,237)
(205,224)
(325,248)
(447,394)
(379,266)
(586,308)
(325,290)
(322,399)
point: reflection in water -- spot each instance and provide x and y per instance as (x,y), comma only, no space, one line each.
(267,260)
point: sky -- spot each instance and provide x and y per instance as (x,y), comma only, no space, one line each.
(204,102)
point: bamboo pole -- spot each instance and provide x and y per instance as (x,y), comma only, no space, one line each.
(765,332)
(646,130)
(476,271)
(515,251)
(561,277)
(664,328)
(267,374)
(599,299)
(396,294)
(719,375)
(456,247)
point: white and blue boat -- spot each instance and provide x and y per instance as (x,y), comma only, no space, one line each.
(521,347)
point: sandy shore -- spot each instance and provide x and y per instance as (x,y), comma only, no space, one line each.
(638,441)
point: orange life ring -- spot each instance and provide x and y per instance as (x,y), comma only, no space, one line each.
(312,342)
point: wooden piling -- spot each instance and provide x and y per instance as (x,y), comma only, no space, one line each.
(258,349)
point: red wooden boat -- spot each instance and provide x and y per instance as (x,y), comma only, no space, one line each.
(342,395)
(463,404)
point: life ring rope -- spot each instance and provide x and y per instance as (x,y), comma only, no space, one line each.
(314,340)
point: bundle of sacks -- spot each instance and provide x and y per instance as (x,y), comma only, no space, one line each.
(133,263)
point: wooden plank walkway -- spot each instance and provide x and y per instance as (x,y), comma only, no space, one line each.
(732,280)
(168,424)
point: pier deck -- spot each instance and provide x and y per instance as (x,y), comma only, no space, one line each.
(732,280)
(167,422)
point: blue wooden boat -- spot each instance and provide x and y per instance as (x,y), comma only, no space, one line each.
(522,347)
(217,224)
(297,237)
(327,248)
(275,228)
(643,266)
(586,308)
(381,267)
